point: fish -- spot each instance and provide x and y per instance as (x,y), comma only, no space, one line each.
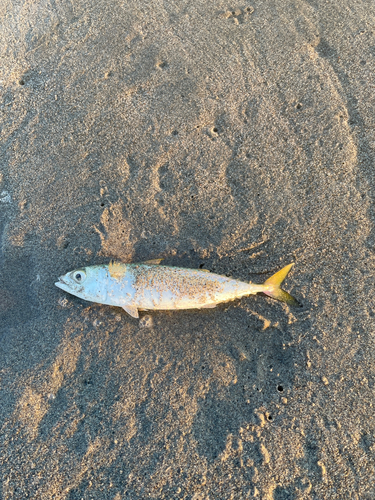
(150,286)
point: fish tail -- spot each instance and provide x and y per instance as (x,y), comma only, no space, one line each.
(273,289)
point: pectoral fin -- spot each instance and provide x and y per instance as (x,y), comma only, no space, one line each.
(131,310)
(117,270)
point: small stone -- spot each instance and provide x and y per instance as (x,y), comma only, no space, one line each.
(5,197)
(146,322)
(63,302)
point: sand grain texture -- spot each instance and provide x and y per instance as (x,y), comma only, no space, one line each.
(232,137)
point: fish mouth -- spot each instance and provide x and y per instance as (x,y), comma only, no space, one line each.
(61,284)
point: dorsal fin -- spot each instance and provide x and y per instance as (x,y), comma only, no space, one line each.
(116,269)
(152,262)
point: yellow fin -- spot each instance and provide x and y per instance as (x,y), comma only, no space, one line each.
(152,262)
(272,287)
(116,269)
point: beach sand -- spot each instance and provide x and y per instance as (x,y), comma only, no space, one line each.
(232,137)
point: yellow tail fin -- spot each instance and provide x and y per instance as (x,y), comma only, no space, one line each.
(272,287)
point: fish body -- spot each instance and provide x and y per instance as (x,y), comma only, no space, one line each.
(149,286)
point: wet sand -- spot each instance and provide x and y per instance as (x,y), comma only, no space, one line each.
(232,137)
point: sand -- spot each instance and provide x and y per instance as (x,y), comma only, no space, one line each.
(232,137)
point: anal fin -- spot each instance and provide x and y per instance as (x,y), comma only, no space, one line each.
(131,310)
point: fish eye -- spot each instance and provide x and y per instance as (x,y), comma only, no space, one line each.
(79,276)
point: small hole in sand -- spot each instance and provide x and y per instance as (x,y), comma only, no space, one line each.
(280,388)
(215,130)
(22,82)
(299,106)
(175,132)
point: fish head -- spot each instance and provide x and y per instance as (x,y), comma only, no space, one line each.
(89,283)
